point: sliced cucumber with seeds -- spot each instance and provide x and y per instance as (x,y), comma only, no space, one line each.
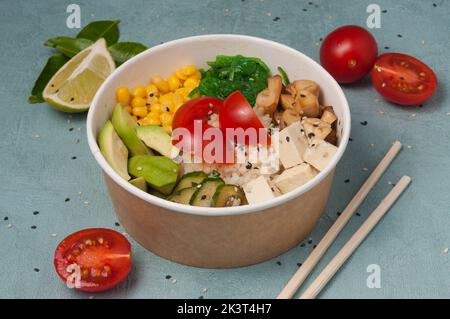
(228,195)
(203,196)
(182,196)
(190,179)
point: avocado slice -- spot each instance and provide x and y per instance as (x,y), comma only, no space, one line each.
(139,182)
(125,128)
(190,179)
(203,196)
(113,149)
(228,195)
(182,196)
(157,139)
(159,172)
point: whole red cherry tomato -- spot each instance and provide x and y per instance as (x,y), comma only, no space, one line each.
(348,53)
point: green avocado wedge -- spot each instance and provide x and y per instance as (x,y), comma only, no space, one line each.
(113,149)
(126,129)
(157,139)
(160,172)
(140,183)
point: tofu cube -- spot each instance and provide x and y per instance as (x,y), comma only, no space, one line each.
(258,190)
(319,154)
(294,177)
(293,144)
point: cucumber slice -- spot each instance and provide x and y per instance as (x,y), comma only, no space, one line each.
(182,196)
(188,180)
(140,183)
(113,149)
(203,196)
(228,195)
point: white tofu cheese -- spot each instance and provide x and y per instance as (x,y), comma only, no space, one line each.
(258,190)
(293,144)
(319,154)
(294,177)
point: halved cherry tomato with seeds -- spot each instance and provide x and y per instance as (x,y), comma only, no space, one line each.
(403,79)
(100,257)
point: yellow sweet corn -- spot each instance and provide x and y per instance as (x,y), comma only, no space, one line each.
(138,91)
(123,95)
(137,102)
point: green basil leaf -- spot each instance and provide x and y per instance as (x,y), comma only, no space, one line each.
(122,51)
(107,29)
(68,46)
(54,63)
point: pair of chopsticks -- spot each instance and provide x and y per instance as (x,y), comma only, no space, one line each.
(299,277)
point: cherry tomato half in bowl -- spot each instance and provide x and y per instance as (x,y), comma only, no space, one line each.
(403,79)
(95,259)
(348,53)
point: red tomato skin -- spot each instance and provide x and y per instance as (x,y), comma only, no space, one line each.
(115,238)
(381,80)
(348,53)
(196,109)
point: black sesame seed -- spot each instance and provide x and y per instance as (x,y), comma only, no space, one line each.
(313,144)
(117,224)
(168,276)
(347,181)
(71,129)
(248,165)
(167,109)
(321,39)
(314,246)
(151,94)
(52,85)
(302,95)
(203,197)
(402,78)
(276,19)
(311,135)
(310,3)
(304,9)
(399,35)
(393,184)
(338,213)
(310,241)
(279,263)
(33,227)
(384,11)
(287,139)
(57,91)
(302,245)
(36,269)
(434,5)
(35,212)
(364,123)
(358,214)
(420,105)
(200,297)
(386,48)
(350,139)
(72,99)
(74,157)
(299,264)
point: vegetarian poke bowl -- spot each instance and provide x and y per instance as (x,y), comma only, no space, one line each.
(219,150)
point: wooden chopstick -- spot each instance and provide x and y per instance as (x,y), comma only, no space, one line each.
(302,273)
(353,243)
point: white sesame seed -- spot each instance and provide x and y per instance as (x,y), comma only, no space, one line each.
(448,113)
(79,193)
(204,290)
(54,235)
(86,202)
(423,42)
(78,128)
(91,297)
(139,168)
(365,169)
(68,121)
(37,136)
(446,250)
(383,84)
(390,183)
(174,281)
(269,14)
(8,226)
(413,115)
(409,146)
(372,145)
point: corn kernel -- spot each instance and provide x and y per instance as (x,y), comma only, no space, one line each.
(128,109)
(179,74)
(197,75)
(191,83)
(123,95)
(166,119)
(184,92)
(137,102)
(189,69)
(138,91)
(140,111)
(144,121)
(174,82)
(151,90)
(153,118)
(162,85)
(156,108)
(178,99)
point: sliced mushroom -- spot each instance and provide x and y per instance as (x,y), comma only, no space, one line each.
(316,128)
(307,104)
(328,115)
(303,85)
(267,99)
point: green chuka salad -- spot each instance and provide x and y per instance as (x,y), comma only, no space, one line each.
(231,73)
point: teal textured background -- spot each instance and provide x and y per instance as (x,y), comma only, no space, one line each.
(38,174)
